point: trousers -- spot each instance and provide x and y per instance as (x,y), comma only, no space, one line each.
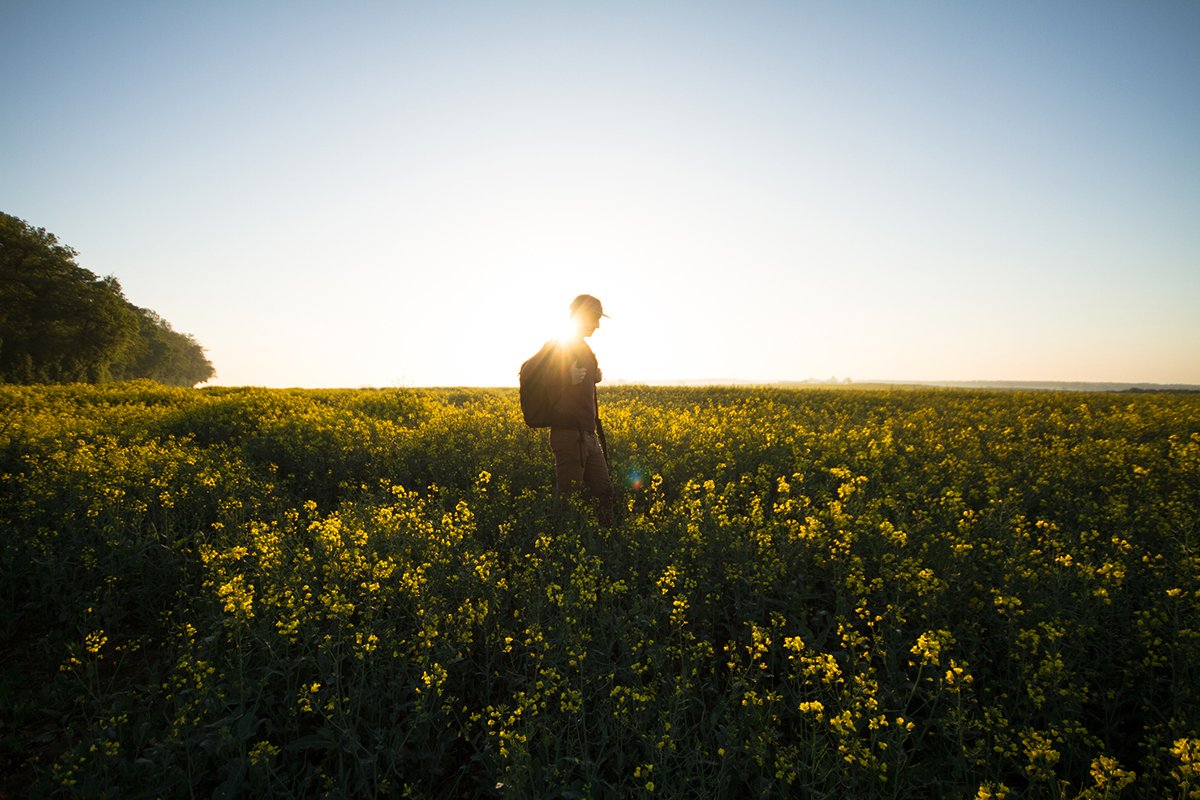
(579,465)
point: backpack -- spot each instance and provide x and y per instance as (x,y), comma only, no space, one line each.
(541,386)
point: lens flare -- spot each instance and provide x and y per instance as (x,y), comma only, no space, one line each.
(635,479)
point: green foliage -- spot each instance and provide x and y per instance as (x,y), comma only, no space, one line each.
(809,593)
(160,353)
(60,323)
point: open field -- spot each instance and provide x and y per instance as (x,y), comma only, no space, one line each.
(810,592)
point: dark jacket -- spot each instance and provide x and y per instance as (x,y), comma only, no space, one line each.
(576,406)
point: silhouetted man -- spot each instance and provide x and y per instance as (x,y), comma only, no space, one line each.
(579,459)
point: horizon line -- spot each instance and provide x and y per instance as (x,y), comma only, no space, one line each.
(1073,385)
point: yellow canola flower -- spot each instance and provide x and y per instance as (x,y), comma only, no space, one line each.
(814,707)
(1108,776)
(95,641)
(957,675)
(1187,774)
(238,596)
(930,644)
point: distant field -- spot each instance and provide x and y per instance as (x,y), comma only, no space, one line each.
(810,592)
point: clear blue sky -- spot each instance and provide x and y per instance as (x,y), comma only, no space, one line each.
(386,193)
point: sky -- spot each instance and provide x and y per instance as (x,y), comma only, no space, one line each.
(410,194)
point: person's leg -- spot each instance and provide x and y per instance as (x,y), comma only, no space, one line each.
(579,465)
(569,461)
(598,481)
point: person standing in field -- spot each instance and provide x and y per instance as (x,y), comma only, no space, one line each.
(580,463)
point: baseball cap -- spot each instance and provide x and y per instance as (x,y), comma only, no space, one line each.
(589,302)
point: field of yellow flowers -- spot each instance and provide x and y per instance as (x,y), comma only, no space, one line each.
(813,593)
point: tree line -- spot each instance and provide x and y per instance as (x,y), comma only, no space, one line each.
(61,323)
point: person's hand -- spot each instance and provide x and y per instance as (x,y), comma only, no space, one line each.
(578,374)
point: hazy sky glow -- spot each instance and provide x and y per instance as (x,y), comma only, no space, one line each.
(394,193)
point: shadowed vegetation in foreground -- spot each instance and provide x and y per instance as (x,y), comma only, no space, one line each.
(816,593)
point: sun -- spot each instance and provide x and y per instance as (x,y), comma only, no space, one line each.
(565,330)
(505,325)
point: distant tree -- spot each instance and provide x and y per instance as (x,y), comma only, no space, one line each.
(161,353)
(60,323)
